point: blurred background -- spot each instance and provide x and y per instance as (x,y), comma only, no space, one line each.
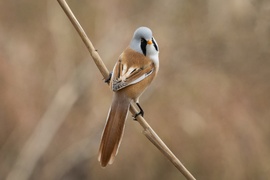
(210,102)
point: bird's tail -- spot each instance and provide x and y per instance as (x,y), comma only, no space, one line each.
(114,129)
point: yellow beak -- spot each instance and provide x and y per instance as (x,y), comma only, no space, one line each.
(149,42)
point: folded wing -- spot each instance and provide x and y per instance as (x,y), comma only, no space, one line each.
(125,76)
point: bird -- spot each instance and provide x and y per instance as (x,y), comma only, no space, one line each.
(135,69)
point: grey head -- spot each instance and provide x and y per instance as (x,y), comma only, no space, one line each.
(144,42)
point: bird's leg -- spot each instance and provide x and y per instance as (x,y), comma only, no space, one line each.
(108,79)
(139,113)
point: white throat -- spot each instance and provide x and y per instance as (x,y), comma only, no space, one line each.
(152,54)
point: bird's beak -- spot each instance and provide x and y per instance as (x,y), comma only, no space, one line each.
(149,42)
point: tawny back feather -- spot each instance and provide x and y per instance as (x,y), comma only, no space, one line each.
(141,65)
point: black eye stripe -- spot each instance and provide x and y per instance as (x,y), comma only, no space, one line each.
(155,44)
(143,46)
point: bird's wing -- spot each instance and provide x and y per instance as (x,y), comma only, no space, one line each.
(125,75)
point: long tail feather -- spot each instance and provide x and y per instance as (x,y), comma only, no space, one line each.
(114,129)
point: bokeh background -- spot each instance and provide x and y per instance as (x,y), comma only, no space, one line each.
(210,102)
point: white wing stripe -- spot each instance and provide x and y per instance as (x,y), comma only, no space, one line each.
(124,70)
(142,77)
